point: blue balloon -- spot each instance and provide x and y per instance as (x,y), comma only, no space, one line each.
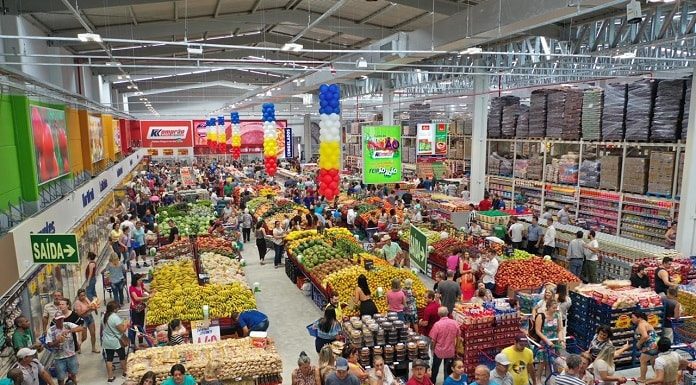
(333,88)
(323,88)
(334,103)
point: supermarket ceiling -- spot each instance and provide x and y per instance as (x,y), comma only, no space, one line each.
(220,54)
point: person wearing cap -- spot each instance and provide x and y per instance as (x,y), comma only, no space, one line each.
(419,373)
(444,337)
(59,337)
(341,376)
(392,252)
(521,360)
(500,374)
(31,368)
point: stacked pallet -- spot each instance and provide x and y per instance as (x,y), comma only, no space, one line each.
(592,100)
(522,129)
(687,103)
(555,113)
(639,108)
(572,115)
(511,111)
(589,173)
(537,113)
(668,107)
(614,114)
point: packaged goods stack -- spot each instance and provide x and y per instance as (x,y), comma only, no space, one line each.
(661,173)
(522,129)
(498,165)
(484,331)
(552,171)
(537,113)
(568,169)
(589,173)
(521,166)
(637,168)
(572,115)
(595,305)
(417,114)
(511,111)
(680,175)
(639,109)
(385,336)
(614,112)
(495,118)
(668,106)
(535,168)
(687,103)
(555,114)
(592,101)
(610,178)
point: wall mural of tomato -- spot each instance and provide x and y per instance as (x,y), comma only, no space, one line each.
(96,138)
(49,131)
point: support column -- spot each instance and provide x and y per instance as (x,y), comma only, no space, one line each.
(686,230)
(477,180)
(387,107)
(307,138)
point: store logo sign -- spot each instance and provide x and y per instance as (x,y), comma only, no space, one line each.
(288,143)
(49,228)
(103,185)
(87,197)
(119,171)
(167,133)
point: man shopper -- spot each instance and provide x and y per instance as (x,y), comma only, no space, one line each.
(341,376)
(247,221)
(640,279)
(500,374)
(482,376)
(515,233)
(572,375)
(51,308)
(591,257)
(31,368)
(59,337)
(450,291)
(534,235)
(521,360)
(250,321)
(576,254)
(488,265)
(443,336)
(550,239)
(430,316)
(419,371)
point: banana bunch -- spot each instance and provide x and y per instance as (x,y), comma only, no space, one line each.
(338,231)
(376,261)
(295,235)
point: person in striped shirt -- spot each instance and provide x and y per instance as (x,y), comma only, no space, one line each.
(571,376)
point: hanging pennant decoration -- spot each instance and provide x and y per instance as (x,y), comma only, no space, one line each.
(270,138)
(329,140)
(221,137)
(236,136)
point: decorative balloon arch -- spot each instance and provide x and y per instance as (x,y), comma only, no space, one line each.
(329,140)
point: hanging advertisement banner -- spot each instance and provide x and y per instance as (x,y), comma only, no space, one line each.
(425,139)
(418,248)
(288,143)
(381,154)
(187,178)
(441,139)
(96,138)
(50,142)
(117,137)
(166,133)
(251,132)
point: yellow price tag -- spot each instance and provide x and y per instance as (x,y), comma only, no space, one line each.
(653,320)
(623,322)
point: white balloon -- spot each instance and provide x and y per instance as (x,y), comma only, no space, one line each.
(322,137)
(334,116)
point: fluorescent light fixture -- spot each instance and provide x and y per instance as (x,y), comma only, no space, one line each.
(446,82)
(361,63)
(86,37)
(195,49)
(120,77)
(625,55)
(269,93)
(472,51)
(113,63)
(292,47)
(364,77)
(127,76)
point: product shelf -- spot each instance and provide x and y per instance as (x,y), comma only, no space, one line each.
(601,207)
(646,215)
(642,232)
(642,223)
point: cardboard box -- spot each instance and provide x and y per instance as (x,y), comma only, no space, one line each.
(610,172)
(637,170)
(661,175)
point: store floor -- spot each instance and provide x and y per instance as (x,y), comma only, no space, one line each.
(288,309)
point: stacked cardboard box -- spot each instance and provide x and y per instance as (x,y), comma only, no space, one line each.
(637,170)
(522,130)
(535,168)
(661,173)
(614,113)
(537,113)
(610,176)
(687,102)
(552,171)
(592,101)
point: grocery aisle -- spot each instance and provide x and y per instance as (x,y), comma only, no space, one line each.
(288,310)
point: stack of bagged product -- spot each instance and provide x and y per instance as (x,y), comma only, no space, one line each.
(555,113)
(522,130)
(511,110)
(614,112)
(572,115)
(687,102)
(668,106)
(639,107)
(537,113)
(592,100)
(589,173)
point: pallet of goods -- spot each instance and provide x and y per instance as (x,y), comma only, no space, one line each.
(614,114)
(639,109)
(537,113)
(592,103)
(687,103)
(511,113)
(611,304)
(244,361)
(522,129)
(668,107)
(484,331)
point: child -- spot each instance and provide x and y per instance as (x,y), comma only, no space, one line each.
(410,310)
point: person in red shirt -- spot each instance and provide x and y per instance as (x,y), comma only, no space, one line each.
(485,203)
(430,315)
(419,373)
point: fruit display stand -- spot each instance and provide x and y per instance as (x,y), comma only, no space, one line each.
(454,210)
(493,222)
(247,361)
(595,305)
(529,274)
(484,331)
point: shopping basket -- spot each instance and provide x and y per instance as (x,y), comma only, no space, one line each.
(684,329)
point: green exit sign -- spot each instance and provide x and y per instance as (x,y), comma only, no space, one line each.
(54,248)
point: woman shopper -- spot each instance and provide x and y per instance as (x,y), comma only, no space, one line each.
(179,376)
(646,341)
(124,243)
(396,299)
(458,376)
(278,244)
(363,297)
(85,309)
(604,367)
(548,327)
(564,302)
(327,362)
(138,302)
(601,339)
(305,373)
(260,235)
(115,236)
(467,281)
(175,332)
(411,310)
(350,353)
(149,378)
(113,329)
(117,277)
(91,276)
(211,374)
(328,328)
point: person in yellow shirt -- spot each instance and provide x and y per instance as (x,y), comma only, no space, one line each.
(334,302)
(114,236)
(521,361)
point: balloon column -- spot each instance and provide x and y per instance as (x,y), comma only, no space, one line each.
(210,133)
(221,137)
(236,136)
(270,141)
(329,140)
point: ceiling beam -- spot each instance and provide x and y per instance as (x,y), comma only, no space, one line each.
(42,6)
(219,83)
(292,4)
(176,11)
(217,9)
(227,23)
(376,13)
(254,7)
(411,20)
(443,7)
(132,14)
(334,8)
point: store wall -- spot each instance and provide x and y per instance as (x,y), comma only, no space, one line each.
(10,188)
(74,140)
(107,123)
(9,274)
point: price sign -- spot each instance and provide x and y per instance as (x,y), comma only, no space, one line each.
(202,334)
(623,322)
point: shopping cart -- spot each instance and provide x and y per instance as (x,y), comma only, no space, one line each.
(684,329)
(106,285)
(553,361)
